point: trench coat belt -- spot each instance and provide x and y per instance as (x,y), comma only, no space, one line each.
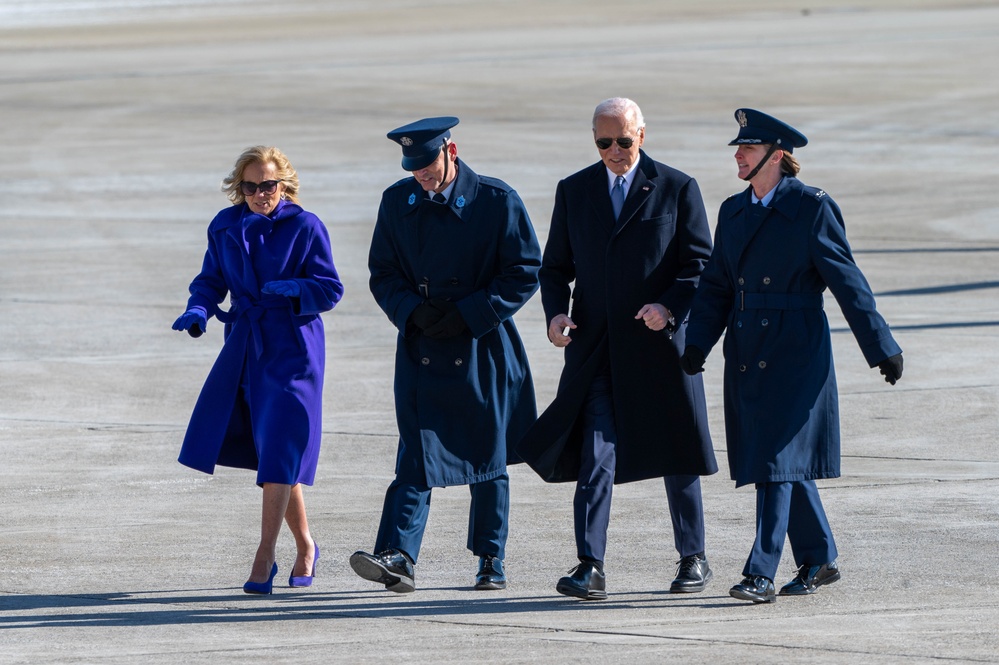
(252,310)
(779,301)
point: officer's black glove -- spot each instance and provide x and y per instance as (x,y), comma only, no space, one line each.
(451,323)
(692,360)
(891,368)
(425,315)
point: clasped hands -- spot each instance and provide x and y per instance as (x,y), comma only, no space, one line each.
(438,318)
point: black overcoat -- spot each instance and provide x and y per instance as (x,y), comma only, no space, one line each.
(653,254)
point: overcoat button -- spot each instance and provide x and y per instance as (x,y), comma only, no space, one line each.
(454,280)
(739,324)
(424,360)
(742,368)
(495,324)
(741,281)
(457,362)
(763,364)
(766,280)
(765,322)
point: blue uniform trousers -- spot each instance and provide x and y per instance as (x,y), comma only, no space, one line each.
(407,506)
(795,510)
(594,487)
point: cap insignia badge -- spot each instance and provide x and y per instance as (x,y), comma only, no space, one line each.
(406,141)
(741,117)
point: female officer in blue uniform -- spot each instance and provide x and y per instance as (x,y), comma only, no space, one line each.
(452,258)
(778,246)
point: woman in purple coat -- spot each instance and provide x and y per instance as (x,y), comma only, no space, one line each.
(261,406)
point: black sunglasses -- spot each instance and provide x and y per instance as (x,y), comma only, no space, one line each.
(625,143)
(265,187)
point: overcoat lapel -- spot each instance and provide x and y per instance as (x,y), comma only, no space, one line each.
(599,195)
(642,187)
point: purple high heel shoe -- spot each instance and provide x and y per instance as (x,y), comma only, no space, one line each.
(305,580)
(262,587)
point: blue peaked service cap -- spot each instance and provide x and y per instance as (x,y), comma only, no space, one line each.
(421,141)
(756,127)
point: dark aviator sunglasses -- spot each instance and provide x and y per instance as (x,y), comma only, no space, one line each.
(625,143)
(265,187)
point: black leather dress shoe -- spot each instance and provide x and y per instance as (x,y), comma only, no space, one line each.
(391,568)
(490,575)
(810,578)
(755,588)
(585,581)
(692,574)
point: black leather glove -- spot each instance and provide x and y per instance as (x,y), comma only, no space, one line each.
(425,315)
(891,368)
(451,323)
(692,360)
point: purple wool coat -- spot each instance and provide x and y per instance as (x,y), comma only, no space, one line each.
(261,405)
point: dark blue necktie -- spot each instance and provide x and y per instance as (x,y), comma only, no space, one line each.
(617,196)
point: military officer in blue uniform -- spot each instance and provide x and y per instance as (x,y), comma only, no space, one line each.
(778,245)
(452,259)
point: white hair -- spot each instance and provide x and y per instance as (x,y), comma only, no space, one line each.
(619,107)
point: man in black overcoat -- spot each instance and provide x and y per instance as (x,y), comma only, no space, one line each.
(629,238)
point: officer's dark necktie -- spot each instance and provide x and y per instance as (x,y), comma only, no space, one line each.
(439,198)
(617,196)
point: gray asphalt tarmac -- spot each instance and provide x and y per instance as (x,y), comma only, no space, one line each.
(119,124)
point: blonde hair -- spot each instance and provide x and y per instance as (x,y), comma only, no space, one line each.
(260,154)
(789,165)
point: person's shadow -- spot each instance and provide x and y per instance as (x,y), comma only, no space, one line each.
(230,605)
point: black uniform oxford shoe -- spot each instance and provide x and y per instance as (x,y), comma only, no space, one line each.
(756,588)
(692,574)
(490,575)
(585,581)
(810,578)
(391,568)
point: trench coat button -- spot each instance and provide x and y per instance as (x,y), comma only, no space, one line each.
(765,322)
(763,364)
(424,360)
(458,362)
(739,324)
(742,368)
(495,324)
(741,281)
(766,280)
(454,280)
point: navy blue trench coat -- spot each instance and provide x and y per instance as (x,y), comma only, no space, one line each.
(274,351)
(463,402)
(653,254)
(763,285)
